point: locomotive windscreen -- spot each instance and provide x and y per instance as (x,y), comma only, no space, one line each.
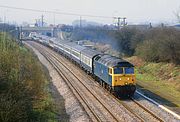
(129,70)
(124,64)
(118,70)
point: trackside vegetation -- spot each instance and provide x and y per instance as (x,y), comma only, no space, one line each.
(24,85)
(159,44)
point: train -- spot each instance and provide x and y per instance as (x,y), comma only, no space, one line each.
(113,73)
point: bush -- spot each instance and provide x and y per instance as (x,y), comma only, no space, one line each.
(22,84)
(127,39)
(154,44)
(161,44)
(148,50)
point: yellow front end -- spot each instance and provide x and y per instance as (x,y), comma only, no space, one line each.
(122,79)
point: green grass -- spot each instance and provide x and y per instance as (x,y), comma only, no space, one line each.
(162,79)
(156,77)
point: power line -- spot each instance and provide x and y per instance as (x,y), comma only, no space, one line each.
(55,12)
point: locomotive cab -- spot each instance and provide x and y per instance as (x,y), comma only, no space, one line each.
(122,76)
(123,80)
(115,73)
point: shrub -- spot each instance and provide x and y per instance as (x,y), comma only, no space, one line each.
(161,44)
(22,84)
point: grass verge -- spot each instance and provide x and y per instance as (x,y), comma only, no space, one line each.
(160,80)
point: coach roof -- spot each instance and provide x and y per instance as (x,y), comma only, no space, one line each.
(90,52)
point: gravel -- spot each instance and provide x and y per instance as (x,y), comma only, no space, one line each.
(73,108)
(158,111)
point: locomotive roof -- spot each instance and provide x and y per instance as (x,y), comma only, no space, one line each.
(90,52)
(112,61)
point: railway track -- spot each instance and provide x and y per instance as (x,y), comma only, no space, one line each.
(101,112)
(136,106)
(147,110)
(141,115)
(73,88)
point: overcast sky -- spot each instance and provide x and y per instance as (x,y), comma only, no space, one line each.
(136,11)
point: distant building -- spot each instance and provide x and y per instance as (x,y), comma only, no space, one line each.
(67,28)
(84,23)
(31,25)
(177,26)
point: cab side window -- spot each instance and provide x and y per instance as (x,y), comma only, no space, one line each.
(110,71)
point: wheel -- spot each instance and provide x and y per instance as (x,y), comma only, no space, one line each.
(109,89)
(104,85)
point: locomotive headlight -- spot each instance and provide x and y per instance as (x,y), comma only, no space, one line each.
(126,83)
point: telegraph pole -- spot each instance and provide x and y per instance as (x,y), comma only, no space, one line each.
(20,35)
(54,19)
(124,21)
(118,23)
(80,22)
(42,20)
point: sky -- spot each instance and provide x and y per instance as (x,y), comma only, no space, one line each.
(136,11)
